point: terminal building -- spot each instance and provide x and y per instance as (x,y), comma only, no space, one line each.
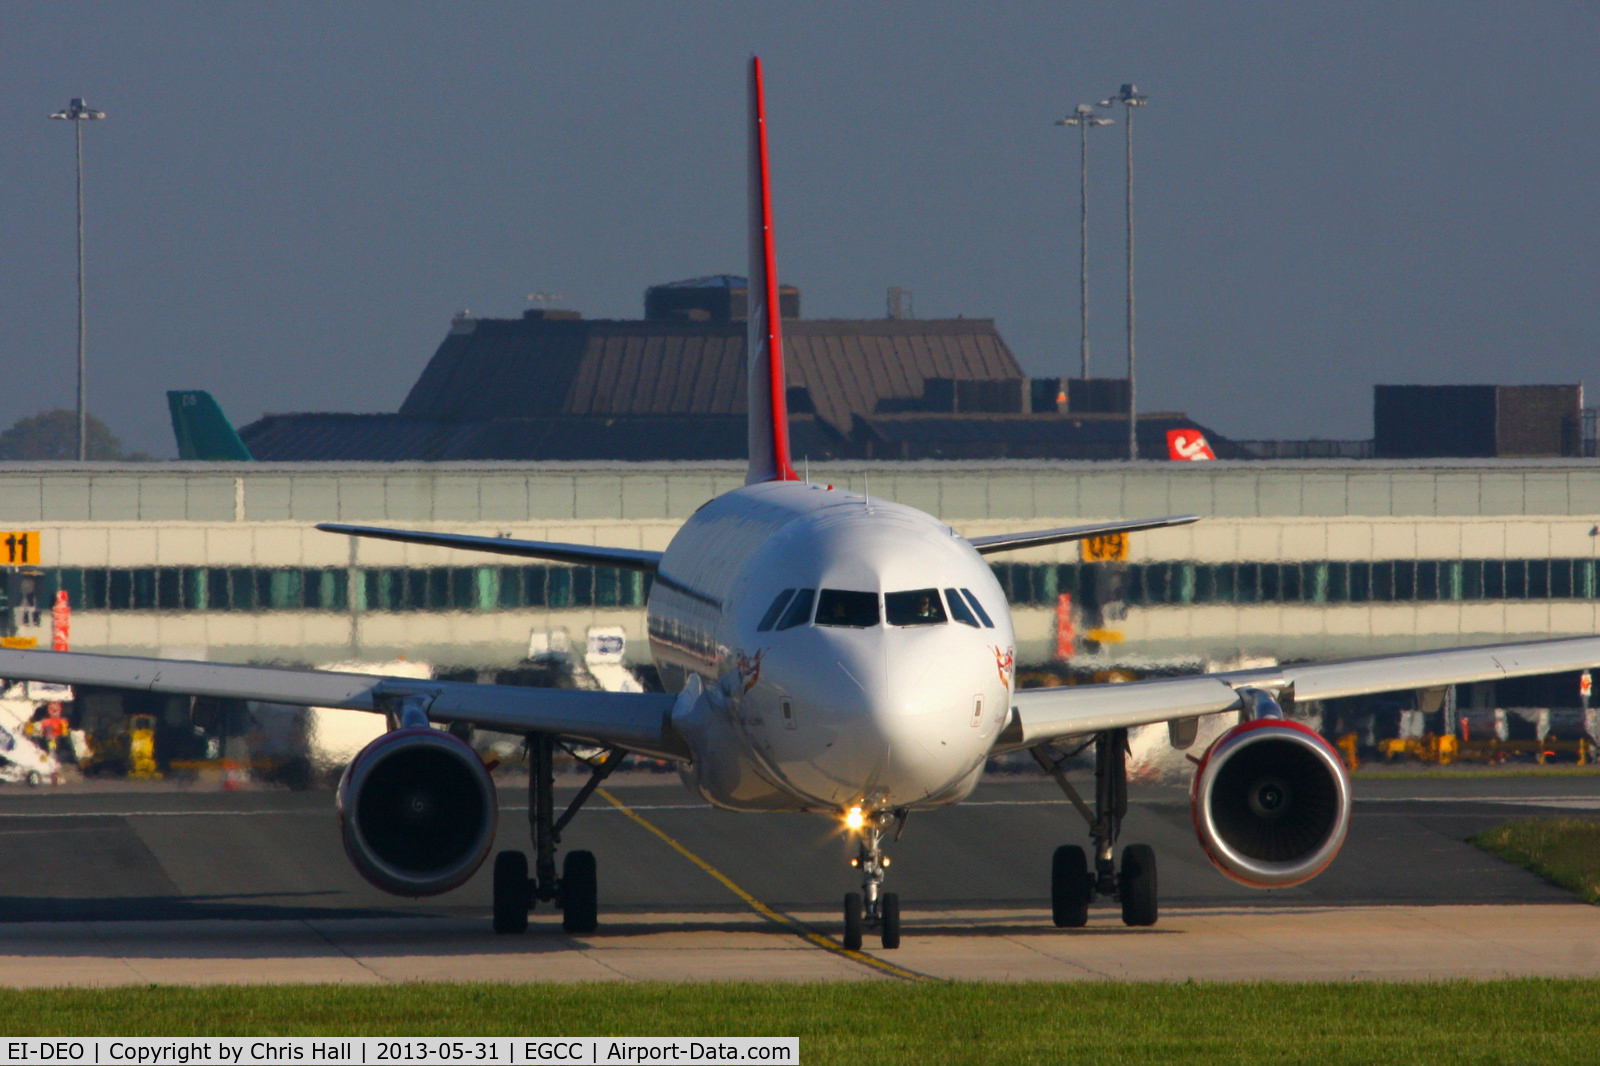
(1291,561)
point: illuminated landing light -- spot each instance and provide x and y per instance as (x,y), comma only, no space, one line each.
(854,818)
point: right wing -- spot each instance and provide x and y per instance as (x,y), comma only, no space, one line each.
(636,721)
(587,554)
(1042,714)
(1002,542)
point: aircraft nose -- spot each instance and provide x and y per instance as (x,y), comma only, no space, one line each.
(898,708)
(897,679)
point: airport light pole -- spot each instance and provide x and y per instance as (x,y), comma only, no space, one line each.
(1130,97)
(1084,118)
(78,113)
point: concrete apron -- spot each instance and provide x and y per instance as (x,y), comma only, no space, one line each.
(1212,944)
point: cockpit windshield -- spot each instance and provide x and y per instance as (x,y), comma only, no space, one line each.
(919,607)
(959,609)
(799,612)
(839,607)
(770,619)
(977,605)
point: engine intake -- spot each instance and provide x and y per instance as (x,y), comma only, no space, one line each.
(417,809)
(1271,803)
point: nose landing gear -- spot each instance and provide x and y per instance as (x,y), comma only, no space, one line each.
(1072,885)
(873,908)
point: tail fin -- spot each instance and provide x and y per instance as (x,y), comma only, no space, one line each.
(769,410)
(203,432)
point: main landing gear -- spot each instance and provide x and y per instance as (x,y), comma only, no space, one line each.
(576,891)
(1072,885)
(873,908)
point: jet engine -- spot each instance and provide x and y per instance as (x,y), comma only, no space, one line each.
(417,809)
(1271,802)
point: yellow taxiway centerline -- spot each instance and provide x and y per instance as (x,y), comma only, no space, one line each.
(823,942)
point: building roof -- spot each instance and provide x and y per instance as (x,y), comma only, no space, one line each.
(536,367)
(710,281)
(554,386)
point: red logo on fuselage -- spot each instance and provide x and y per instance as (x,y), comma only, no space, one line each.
(1003,662)
(750,669)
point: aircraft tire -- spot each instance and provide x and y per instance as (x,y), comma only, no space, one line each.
(580,893)
(1137,881)
(1070,887)
(852,921)
(511,896)
(889,909)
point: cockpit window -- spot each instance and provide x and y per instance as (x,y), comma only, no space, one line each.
(772,612)
(976,606)
(799,612)
(838,607)
(959,609)
(920,607)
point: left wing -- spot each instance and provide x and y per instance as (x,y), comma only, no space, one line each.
(636,721)
(1042,714)
(1000,542)
(587,554)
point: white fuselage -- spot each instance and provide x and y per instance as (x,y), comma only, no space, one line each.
(786,707)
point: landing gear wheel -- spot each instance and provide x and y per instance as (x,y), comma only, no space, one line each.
(1137,881)
(852,921)
(889,914)
(34,779)
(511,897)
(1070,887)
(580,903)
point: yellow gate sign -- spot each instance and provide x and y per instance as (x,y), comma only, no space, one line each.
(19,548)
(1107,548)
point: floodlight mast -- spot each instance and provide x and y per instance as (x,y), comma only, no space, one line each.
(1084,118)
(78,113)
(1130,97)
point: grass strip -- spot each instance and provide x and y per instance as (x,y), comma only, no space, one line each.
(1509,1021)
(1381,772)
(1565,851)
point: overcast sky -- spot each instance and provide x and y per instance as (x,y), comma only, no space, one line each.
(286,203)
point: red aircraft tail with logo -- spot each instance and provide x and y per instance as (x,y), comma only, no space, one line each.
(769,410)
(1188,445)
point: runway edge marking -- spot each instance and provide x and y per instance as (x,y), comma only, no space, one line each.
(826,943)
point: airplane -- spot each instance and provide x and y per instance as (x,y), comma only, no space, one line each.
(202,430)
(829,652)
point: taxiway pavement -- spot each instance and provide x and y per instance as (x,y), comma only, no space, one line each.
(146,884)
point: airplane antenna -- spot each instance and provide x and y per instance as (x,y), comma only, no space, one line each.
(807,462)
(866,493)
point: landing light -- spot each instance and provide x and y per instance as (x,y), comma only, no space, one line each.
(854,818)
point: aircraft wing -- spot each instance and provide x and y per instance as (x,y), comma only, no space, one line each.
(636,721)
(587,554)
(1042,714)
(1001,542)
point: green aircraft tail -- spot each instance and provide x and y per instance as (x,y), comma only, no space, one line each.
(203,431)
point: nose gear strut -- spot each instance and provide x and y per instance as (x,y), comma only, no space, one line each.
(873,908)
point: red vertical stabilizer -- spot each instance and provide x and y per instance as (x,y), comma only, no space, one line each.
(769,409)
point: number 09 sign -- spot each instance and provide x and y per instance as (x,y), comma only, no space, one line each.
(1110,548)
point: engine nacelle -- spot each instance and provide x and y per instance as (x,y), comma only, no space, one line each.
(418,811)
(1271,803)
